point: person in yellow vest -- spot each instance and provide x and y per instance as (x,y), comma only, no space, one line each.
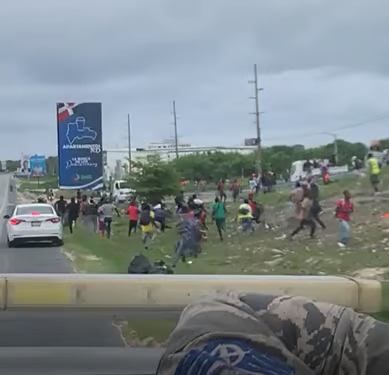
(374,171)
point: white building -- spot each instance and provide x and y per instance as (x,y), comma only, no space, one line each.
(166,150)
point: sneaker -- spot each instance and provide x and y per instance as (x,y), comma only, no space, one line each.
(341,245)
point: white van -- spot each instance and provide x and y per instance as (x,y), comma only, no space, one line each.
(297,172)
(121,191)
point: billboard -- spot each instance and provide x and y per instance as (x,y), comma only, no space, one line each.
(37,165)
(251,142)
(80,156)
(25,164)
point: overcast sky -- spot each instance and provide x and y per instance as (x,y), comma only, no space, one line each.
(323,64)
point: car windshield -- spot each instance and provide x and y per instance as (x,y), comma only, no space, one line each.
(28,210)
(124,185)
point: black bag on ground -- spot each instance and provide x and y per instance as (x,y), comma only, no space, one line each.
(139,264)
(161,268)
(145,218)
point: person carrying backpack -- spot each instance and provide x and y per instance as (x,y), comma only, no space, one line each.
(147,225)
(245,217)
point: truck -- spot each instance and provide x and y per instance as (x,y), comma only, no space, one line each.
(121,191)
(297,172)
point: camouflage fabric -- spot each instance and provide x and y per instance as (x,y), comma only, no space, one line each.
(231,333)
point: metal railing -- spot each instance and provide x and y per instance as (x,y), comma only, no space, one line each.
(172,292)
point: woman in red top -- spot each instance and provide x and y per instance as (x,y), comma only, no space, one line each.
(344,209)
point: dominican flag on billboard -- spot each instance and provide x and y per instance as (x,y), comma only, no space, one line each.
(64,110)
(80,149)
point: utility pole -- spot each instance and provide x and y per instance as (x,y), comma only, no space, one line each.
(129,145)
(175,128)
(257,119)
(335,136)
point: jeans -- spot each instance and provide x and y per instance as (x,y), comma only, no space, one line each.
(247,225)
(344,231)
(107,226)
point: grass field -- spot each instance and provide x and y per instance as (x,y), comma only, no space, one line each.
(265,252)
(38,183)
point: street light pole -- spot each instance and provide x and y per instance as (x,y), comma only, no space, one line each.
(175,128)
(335,136)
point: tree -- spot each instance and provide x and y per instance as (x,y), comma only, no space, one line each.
(12,165)
(213,166)
(154,180)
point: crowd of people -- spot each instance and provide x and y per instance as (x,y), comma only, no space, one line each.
(192,217)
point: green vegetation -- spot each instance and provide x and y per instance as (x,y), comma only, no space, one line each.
(214,166)
(38,183)
(154,180)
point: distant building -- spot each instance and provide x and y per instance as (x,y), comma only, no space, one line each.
(166,150)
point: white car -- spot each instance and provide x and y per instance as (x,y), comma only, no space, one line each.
(36,222)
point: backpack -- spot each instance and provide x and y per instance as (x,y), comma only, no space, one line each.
(244,210)
(145,218)
(139,264)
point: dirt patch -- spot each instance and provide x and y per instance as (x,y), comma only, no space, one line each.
(371,273)
(26,197)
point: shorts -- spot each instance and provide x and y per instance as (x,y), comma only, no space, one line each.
(374,179)
(101,226)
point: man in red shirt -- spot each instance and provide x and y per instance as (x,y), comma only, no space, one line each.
(344,208)
(222,194)
(133,213)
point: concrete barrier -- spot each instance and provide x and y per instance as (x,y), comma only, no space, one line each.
(158,292)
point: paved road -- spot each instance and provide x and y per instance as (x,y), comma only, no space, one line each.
(44,329)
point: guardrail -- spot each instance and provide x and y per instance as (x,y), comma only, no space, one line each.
(173,292)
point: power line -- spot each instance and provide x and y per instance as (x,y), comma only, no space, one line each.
(350,126)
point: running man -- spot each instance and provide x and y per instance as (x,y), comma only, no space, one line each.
(60,207)
(305,215)
(219,216)
(133,213)
(374,171)
(147,225)
(106,212)
(245,217)
(316,207)
(344,209)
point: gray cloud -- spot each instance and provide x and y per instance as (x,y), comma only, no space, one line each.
(323,64)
